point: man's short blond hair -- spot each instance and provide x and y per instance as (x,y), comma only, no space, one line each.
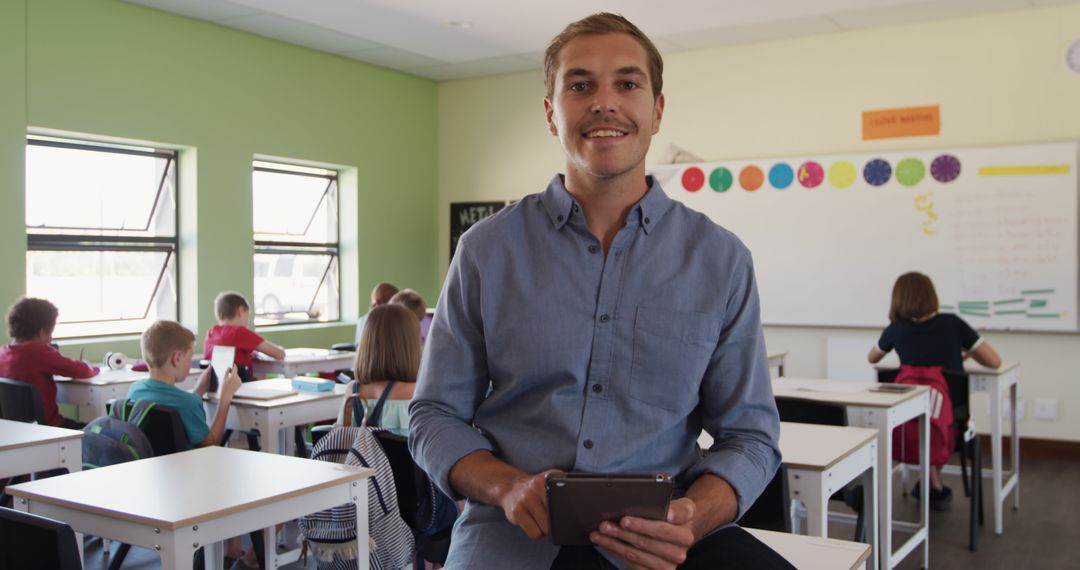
(161,339)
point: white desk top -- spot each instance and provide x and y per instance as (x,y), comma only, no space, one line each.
(773,355)
(284,384)
(14,435)
(818,447)
(306,355)
(841,392)
(970,366)
(189,487)
(123,376)
(814,553)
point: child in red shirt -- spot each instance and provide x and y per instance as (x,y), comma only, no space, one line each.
(233,315)
(32,359)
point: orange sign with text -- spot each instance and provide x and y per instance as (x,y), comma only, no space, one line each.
(905,122)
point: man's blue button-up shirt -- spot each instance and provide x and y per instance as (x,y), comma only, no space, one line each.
(551,354)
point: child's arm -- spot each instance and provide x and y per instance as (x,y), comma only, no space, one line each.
(202,385)
(272,350)
(64,366)
(875,355)
(217,427)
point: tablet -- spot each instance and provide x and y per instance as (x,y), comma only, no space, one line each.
(579,502)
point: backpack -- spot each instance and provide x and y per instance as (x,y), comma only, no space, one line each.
(332,533)
(117,437)
(942,429)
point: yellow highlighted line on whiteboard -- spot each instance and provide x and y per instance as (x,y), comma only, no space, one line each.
(1022,170)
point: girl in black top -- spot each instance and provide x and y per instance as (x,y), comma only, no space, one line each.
(924,337)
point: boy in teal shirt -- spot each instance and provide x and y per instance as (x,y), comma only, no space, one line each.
(167,348)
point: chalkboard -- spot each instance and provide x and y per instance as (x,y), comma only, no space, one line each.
(464,214)
(994,227)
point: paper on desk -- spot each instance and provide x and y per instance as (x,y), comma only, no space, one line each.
(221,361)
(834,388)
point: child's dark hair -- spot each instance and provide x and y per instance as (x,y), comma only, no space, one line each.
(29,316)
(228,303)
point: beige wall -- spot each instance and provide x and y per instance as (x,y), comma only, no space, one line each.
(999,79)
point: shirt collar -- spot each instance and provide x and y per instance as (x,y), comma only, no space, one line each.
(560,205)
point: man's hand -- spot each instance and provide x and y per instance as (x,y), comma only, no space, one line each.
(525,505)
(649,544)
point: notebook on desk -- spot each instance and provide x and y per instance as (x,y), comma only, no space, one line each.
(250,392)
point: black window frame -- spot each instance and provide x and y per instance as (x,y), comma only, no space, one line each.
(74,242)
(287,247)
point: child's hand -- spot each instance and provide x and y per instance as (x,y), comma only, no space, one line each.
(231,383)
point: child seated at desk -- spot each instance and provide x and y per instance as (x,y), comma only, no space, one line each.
(167,348)
(414,302)
(233,316)
(386,365)
(32,359)
(924,337)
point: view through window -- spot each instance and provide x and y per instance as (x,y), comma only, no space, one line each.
(295,211)
(101,234)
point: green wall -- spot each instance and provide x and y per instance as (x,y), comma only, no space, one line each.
(112,69)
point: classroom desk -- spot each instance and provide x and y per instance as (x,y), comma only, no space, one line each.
(30,448)
(272,417)
(176,503)
(821,460)
(813,553)
(995,383)
(300,361)
(776,360)
(884,412)
(92,394)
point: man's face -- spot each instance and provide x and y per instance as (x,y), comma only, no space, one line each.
(602,107)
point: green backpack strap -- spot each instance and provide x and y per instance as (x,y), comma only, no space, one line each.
(139,411)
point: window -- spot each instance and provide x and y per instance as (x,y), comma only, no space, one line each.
(101,234)
(296,244)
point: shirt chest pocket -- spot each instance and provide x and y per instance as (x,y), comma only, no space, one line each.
(671,352)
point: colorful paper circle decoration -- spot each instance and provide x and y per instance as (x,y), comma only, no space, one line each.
(811,174)
(751,178)
(910,171)
(842,174)
(693,179)
(945,168)
(781,175)
(877,172)
(720,179)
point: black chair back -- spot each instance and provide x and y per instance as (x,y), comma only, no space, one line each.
(164,428)
(21,402)
(771,510)
(32,542)
(810,412)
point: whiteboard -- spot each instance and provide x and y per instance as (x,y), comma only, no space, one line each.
(995,228)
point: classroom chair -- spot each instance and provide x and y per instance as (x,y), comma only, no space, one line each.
(823,413)
(772,509)
(32,542)
(21,402)
(411,481)
(967,444)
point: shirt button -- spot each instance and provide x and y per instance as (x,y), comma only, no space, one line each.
(575,208)
(593,249)
(588,444)
(604,318)
(647,220)
(597,388)
(559,217)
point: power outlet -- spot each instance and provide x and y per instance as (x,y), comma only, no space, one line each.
(1046,410)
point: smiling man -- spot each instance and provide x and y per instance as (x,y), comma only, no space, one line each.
(599,326)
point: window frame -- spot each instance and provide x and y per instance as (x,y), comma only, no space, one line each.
(87,242)
(287,247)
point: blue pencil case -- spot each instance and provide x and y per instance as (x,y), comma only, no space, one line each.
(309,384)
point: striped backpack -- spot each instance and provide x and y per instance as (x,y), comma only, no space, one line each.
(117,437)
(331,534)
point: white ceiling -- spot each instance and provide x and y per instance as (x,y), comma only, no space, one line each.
(441,39)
